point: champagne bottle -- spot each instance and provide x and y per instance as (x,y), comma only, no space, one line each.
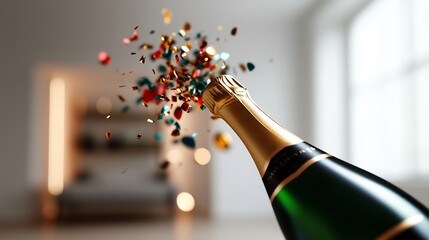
(314,194)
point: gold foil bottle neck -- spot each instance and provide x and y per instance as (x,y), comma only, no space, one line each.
(228,99)
(221,90)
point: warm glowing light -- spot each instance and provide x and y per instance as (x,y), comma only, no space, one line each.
(202,156)
(185,201)
(56,136)
(103,105)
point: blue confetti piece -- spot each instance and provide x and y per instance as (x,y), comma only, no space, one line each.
(125,109)
(158,137)
(169,121)
(189,141)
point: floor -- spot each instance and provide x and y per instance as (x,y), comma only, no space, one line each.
(184,228)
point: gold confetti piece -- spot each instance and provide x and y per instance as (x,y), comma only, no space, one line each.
(142,59)
(144,104)
(108,116)
(234,31)
(211,50)
(149,120)
(222,140)
(146,46)
(108,136)
(167,15)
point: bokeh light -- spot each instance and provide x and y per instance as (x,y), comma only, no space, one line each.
(202,156)
(185,201)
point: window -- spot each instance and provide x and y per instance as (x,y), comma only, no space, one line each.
(389,88)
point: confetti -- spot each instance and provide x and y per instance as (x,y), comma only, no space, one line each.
(108,116)
(164,165)
(108,136)
(189,141)
(133,38)
(178,113)
(234,31)
(142,59)
(185,63)
(158,137)
(167,15)
(104,58)
(146,46)
(242,67)
(222,140)
(124,170)
(121,98)
(125,109)
(175,133)
(186,27)
(250,66)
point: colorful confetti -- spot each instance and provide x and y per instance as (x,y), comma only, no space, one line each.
(185,63)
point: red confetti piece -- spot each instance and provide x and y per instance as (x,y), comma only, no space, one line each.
(185,106)
(178,113)
(108,136)
(175,133)
(104,58)
(135,88)
(148,95)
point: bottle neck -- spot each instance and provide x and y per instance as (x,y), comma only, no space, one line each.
(261,135)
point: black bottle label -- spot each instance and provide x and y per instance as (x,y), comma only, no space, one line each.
(286,162)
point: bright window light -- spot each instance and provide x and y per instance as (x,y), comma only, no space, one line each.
(56,136)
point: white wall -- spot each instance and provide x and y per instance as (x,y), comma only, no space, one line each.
(72,32)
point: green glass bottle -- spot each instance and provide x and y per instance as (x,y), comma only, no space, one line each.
(315,195)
